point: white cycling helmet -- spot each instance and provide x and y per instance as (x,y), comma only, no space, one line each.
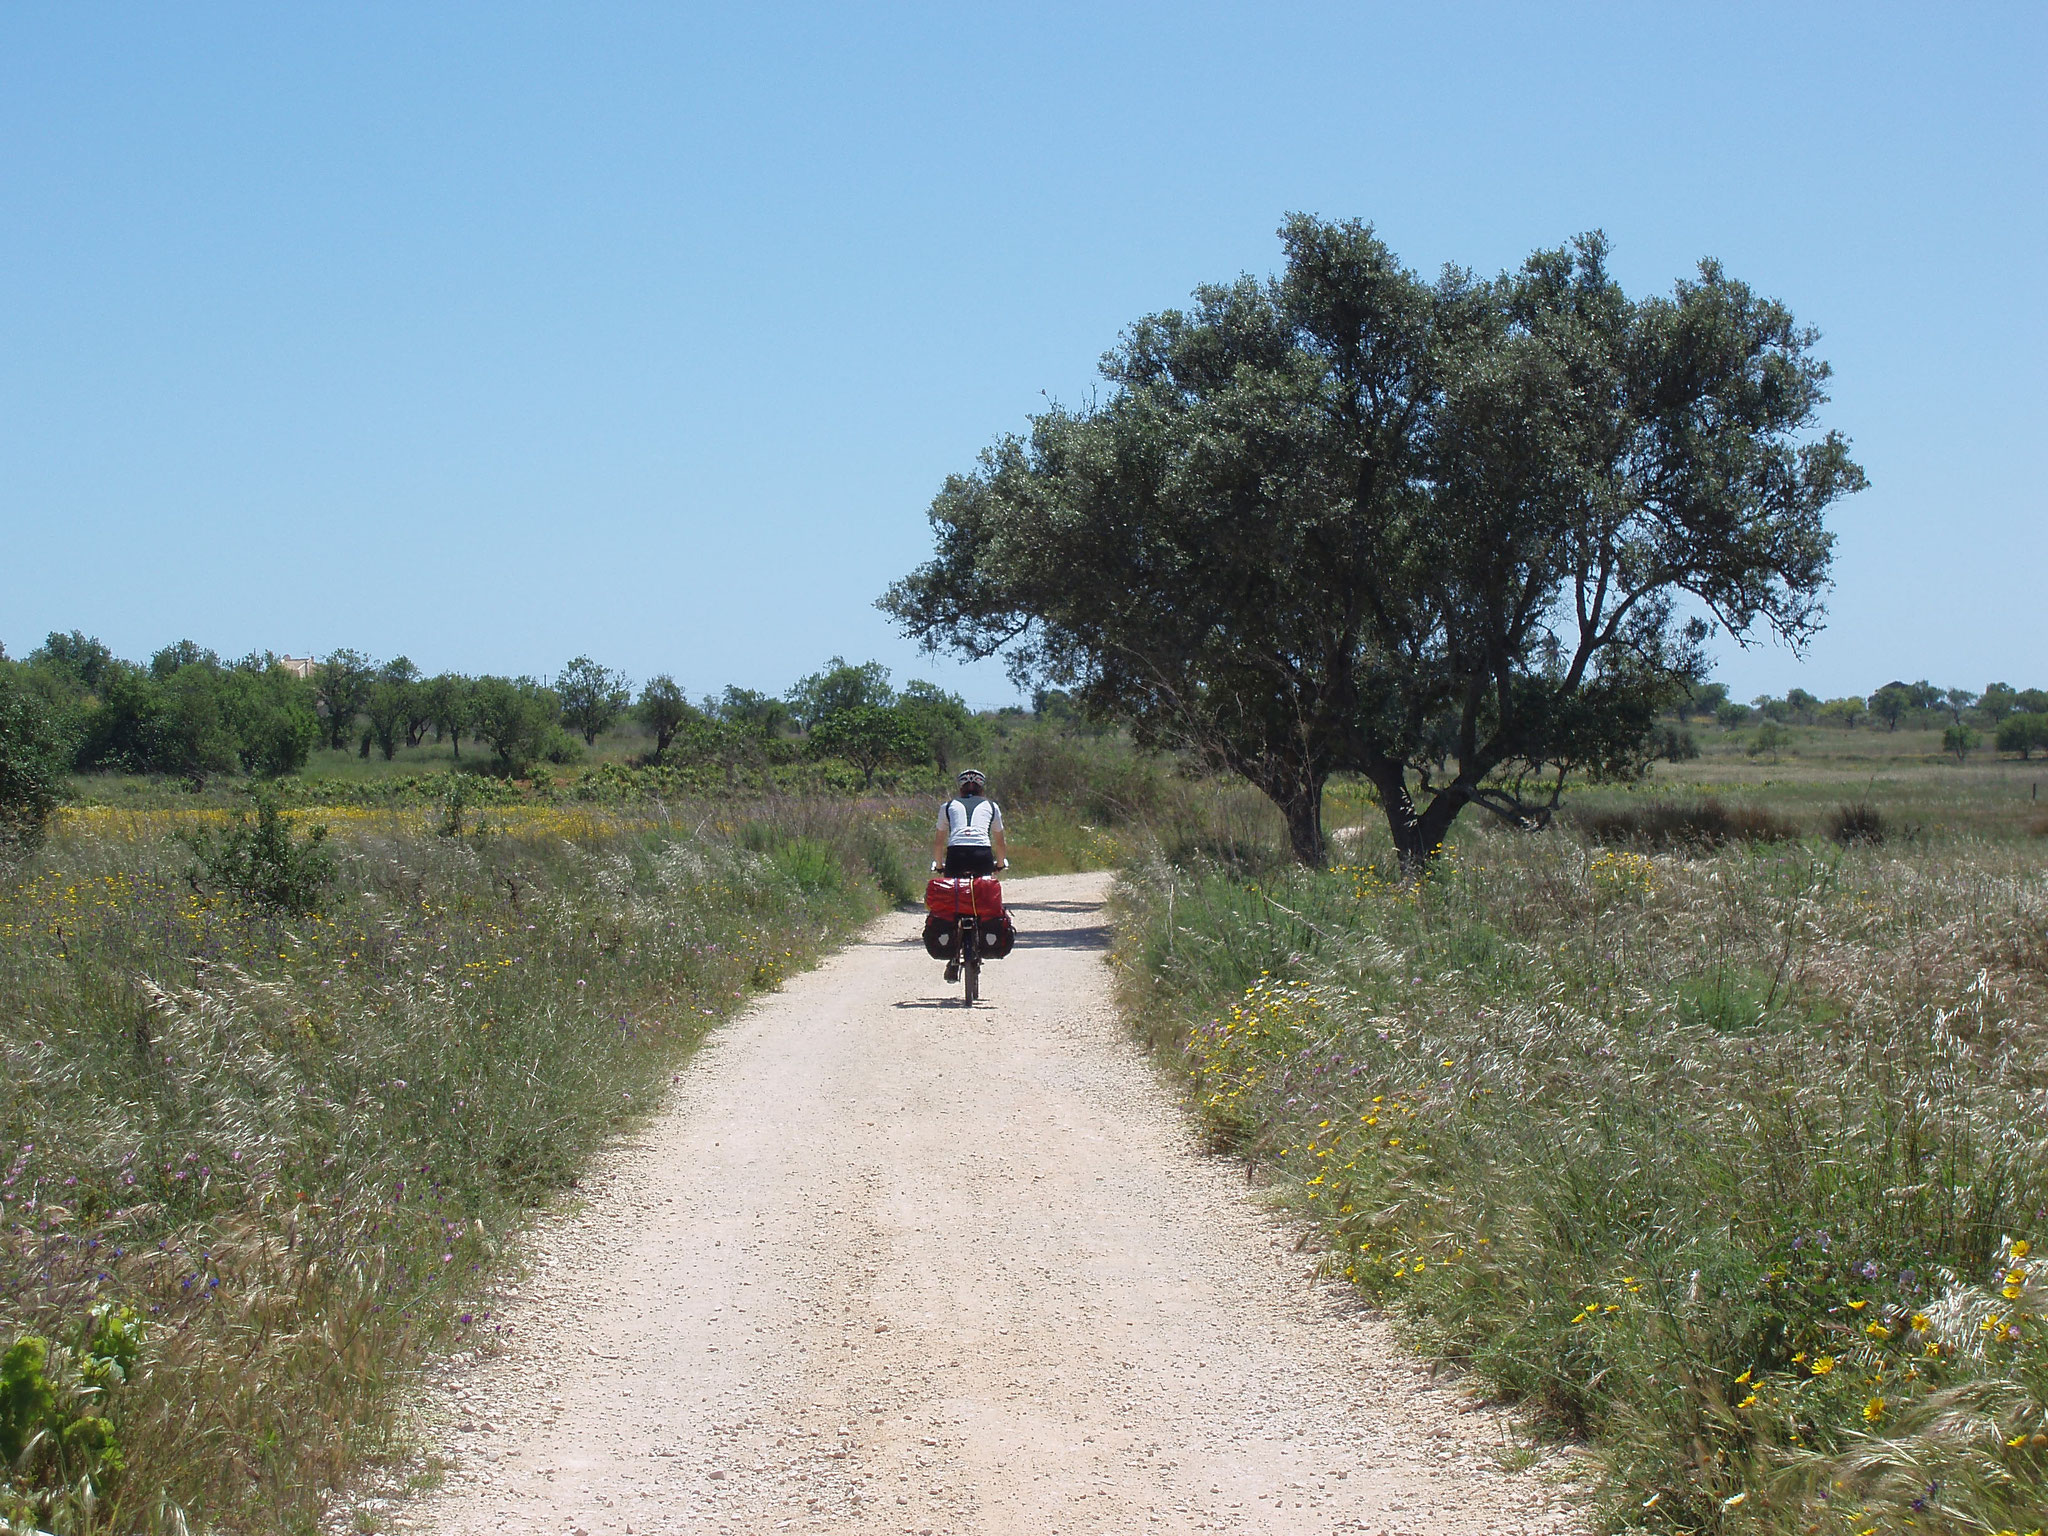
(972,778)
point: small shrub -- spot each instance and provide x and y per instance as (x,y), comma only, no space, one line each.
(263,865)
(1674,744)
(1103,780)
(1772,741)
(810,864)
(1858,823)
(1723,1002)
(453,804)
(2024,734)
(560,748)
(60,1453)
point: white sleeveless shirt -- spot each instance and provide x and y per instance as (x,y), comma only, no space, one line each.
(968,823)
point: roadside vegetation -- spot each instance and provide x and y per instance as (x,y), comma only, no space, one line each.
(275,1101)
(292,1056)
(1706,1124)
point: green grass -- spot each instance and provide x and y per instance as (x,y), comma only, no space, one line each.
(1919,787)
(1653,1143)
(298,1146)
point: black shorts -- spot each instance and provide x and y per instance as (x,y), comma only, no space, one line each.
(970,861)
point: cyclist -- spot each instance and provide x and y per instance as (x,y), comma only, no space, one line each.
(969,836)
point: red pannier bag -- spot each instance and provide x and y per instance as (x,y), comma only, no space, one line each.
(951,896)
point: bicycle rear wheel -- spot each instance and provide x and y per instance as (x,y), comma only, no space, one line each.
(971,972)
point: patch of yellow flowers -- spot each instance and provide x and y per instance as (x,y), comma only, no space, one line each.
(1618,873)
(523,823)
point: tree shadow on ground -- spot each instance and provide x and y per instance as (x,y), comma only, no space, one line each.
(1097,936)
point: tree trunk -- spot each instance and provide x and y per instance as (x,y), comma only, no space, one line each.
(1305,829)
(1301,801)
(1418,834)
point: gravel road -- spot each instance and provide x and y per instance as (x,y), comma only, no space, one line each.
(885,1264)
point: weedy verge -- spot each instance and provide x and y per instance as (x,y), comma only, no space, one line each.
(280,1142)
(1728,1160)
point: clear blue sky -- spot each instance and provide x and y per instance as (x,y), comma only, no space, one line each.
(491,334)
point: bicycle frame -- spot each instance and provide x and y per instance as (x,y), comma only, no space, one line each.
(967,935)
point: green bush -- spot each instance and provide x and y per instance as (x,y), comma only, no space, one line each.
(810,864)
(888,865)
(261,865)
(32,759)
(1101,778)
(271,715)
(60,1449)
(516,718)
(2024,734)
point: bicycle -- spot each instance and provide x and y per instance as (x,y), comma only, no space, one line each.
(969,936)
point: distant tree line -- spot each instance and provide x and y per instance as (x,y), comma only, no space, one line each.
(72,706)
(2014,719)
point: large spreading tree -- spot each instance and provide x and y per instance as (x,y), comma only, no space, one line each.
(1462,537)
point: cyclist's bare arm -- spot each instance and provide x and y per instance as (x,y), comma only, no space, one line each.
(1002,848)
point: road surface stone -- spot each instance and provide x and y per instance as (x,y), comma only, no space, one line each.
(886,1264)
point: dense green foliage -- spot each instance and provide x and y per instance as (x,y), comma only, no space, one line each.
(663,710)
(188,715)
(591,698)
(868,736)
(2024,734)
(1436,534)
(32,758)
(1918,705)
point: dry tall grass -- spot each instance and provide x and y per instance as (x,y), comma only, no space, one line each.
(1730,1159)
(296,1146)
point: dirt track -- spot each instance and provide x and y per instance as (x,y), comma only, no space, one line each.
(887,1265)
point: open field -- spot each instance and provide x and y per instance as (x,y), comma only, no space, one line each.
(1710,1113)
(1904,772)
(1728,1157)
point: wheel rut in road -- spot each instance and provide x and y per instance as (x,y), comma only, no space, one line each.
(887,1264)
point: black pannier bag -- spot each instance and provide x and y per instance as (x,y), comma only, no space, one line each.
(998,938)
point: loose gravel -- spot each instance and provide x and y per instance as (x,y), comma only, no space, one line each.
(887,1264)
